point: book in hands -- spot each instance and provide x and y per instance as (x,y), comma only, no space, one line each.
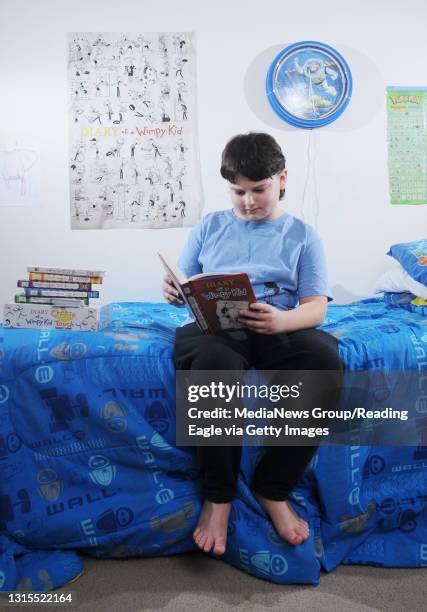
(214,299)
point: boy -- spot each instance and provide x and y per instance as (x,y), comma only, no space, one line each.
(278,250)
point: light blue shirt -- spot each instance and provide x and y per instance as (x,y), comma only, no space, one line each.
(283,257)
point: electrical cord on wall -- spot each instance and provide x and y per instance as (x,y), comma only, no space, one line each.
(311,172)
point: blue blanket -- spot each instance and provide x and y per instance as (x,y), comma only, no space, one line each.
(88,463)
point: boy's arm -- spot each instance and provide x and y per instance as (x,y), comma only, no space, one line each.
(266,319)
(310,313)
(189,264)
(188,261)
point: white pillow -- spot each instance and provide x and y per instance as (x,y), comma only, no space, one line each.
(397,280)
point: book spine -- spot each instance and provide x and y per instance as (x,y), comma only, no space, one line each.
(42,316)
(192,302)
(59,293)
(51,285)
(25,299)
(70,272)
(65,278)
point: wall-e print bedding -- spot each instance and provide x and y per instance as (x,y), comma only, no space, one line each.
(88,463)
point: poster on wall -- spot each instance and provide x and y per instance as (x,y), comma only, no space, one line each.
(19,171)
(407,144)
(134,158)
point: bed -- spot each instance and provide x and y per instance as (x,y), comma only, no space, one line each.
(88,464)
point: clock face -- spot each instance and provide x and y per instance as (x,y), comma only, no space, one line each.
(309,84)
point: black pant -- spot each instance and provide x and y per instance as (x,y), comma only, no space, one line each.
(280,468)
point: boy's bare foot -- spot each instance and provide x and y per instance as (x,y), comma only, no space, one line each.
(288,524)
(211,531)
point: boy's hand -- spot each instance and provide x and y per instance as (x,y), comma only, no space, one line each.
(262,318)
(171,295)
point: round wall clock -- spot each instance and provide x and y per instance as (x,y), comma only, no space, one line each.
(309,84)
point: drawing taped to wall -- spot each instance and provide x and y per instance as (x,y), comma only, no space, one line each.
(134,160)
(19,171)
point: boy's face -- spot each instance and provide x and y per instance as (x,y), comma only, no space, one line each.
(257,200)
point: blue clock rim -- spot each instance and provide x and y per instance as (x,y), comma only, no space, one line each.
(289,117)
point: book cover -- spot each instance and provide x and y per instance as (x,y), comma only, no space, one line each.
(25,299)
(214,299)
(43,316)
(65,278)
(67,271)
(60,293)
(52,285)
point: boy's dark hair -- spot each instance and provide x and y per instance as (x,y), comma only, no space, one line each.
(255,156)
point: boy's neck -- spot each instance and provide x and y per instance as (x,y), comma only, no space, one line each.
(277,212)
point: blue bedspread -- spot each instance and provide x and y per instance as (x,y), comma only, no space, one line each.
(87,461)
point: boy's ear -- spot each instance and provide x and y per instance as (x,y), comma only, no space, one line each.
(283,176)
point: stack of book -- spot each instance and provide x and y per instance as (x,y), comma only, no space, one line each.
(59,286)
(55,298)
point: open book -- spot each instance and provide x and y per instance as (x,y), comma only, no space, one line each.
(214,299)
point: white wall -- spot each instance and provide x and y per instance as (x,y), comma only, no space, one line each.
(384,43)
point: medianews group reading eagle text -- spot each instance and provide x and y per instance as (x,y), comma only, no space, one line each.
(280,413)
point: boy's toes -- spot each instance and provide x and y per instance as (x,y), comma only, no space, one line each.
(302,529)
(196,532)
(219,548)
(302,526)
(201,541)
(302,532)
(297,538)
(208,544)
